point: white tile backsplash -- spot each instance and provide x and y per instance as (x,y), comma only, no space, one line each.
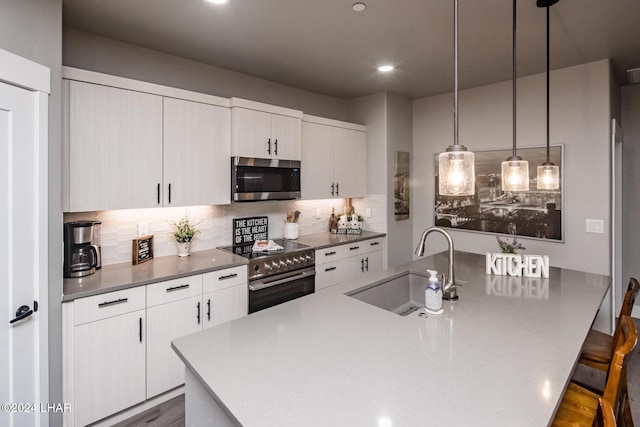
(119,227)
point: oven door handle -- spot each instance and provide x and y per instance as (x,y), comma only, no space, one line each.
(288,278)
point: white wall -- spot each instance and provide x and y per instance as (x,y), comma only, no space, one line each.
(580,119)
(33,29)
(104,55)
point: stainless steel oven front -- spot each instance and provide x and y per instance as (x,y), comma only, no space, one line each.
(274,290)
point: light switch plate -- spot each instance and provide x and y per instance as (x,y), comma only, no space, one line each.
(143,228)
(595,225)
(318,213)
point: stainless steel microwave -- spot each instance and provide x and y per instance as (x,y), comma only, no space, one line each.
(255,179)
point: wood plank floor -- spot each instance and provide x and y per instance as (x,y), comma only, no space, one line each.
(171,413)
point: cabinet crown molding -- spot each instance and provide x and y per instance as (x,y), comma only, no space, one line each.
(267,108)
(333,122)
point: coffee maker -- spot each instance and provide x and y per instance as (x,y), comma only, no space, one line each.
(97,233)
(80,254)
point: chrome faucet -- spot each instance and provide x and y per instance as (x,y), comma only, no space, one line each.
(449,291)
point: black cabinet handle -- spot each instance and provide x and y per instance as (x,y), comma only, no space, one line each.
(158,193)
(269,146)
(366,263)
(177,288)
(21,313)
(330,268)
(337,189)
(354,248)
(276,150)
(333,189)
(209,309)
(374,243)
(330,253)
(362,265)
(169,193)
(228,276)
(140,329)
(198,313)
(108,303)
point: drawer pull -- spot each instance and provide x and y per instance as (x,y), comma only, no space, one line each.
(330,253)
(198,306)
(209,309)
(108,303)
(330,268)
(228,276)
(354,248)
(140,329)
(374,243)
(177,288)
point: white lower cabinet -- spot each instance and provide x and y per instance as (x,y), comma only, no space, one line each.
(347,262)
(107,355)
(118,345)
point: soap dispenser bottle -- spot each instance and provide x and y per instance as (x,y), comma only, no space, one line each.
(433,294)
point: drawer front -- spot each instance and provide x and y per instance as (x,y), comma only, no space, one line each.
(109,304)
(174,290)
(373,245)
(355,248)
(221,279)
(330,254)
(328,274)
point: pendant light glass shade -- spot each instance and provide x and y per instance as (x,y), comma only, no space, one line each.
(515,171)
(548,173)
(456,172)
(456,166)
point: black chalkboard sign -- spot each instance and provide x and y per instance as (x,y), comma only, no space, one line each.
(141,249)
(248,230)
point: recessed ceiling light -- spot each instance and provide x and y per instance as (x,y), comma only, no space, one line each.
(217,1)
(385,68)
(359,7)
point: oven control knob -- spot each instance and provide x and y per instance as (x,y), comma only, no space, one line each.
(282,263)
(289,261)
(267,267)
(256,268)
(275,265)
(308,258)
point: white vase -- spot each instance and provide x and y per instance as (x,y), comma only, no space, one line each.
(183,248)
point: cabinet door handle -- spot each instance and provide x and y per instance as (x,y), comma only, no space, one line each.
(337,189)
(374,243)
(269,146)
(198,316)
(333,189)
(209,309)
(169,193)
(276,150)
(354,248)
(366,263)
(330,269)
(108,303)
(228,276)
(140,329)
(177,288)
(330,253)
(362,265)
(158,193)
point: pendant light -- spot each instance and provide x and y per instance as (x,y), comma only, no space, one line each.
(548,173)
(515,171)
(456,166)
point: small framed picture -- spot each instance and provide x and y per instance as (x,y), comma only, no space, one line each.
(142,249)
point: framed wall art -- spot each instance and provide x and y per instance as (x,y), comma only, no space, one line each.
(401,185)
(534,213)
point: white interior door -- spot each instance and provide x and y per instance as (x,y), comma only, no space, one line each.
(23,246)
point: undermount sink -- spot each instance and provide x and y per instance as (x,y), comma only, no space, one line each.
(402,294)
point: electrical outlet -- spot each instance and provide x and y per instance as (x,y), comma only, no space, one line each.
(367,212)
(318,213)
(143,228)
(595,226)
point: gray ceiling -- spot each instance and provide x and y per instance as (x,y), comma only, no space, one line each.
(324,47)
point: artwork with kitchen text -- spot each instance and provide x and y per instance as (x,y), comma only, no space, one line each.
(532,214)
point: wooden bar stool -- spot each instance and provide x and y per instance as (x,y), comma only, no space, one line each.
(579,405)
(604,415)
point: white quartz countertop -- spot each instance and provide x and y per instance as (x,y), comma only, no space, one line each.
(326,239)
(499,356)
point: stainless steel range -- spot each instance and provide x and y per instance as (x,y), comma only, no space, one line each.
(278,276)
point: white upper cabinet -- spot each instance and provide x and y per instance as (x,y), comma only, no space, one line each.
(196,153)
(131,144)
(115,148)
(334,159)
(265,131)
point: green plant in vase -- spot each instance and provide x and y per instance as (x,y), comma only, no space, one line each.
(509,247)
(183,231)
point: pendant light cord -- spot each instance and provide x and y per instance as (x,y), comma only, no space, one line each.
(548,82)
(514,78)
(455,73)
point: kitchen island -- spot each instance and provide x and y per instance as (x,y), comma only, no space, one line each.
(500,355)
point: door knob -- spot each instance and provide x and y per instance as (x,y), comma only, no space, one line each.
(24,311)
